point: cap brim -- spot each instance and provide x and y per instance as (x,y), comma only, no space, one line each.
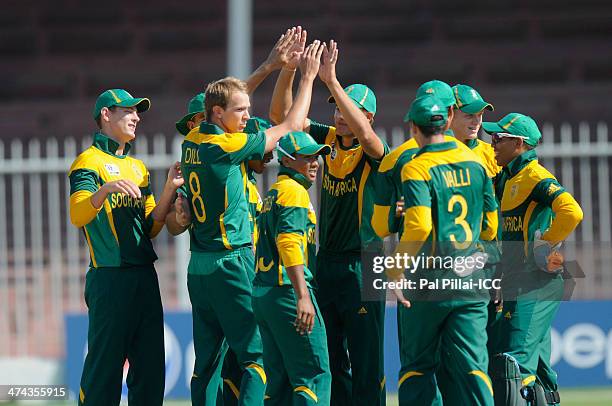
(492,128)
(331,99)
(142,104)
(181,125)
(317,149)
(476,107)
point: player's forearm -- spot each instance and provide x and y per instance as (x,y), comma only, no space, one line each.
(568,215)
(82,210)
(258,76)
(357,121)
(162,207)
(296,276)
(282,97)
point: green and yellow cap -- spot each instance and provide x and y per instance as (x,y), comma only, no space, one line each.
(195,106)
(515,125)
(441,90)
(256,124)
(121,98)
(469,100)
(300,143)
(427,111)
(362,96)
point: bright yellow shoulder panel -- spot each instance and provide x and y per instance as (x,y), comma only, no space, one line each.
(521,185)
(86,160)
(291,193)
(390,159)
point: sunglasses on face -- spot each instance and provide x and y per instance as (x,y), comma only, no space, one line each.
(498,137)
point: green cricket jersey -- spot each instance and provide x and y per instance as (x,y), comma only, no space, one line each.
(119,232)
(287,232)
(448,196)
(347,193)
(530,197)
(215,170)
(255,203)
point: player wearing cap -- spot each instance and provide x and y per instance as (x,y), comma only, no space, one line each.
(112,201)
(346,198)
(222,264)
(537,215)
(447,195)
(385,221)
(292,329)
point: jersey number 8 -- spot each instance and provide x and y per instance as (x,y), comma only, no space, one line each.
(196,200)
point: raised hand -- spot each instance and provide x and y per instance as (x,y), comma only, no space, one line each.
(175,176)
(327,70)
(311,60)
(297,49)
(280,55)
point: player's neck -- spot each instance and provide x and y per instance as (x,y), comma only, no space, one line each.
(434,139)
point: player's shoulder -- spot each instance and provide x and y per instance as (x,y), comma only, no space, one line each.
(536,172)
(416,169)
(88,159)
(390,160)
(290,193)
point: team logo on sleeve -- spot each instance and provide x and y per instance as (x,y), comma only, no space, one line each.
(334,152)
(112,169)
(552,189)
(514,191)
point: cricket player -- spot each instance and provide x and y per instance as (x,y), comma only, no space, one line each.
(221,266)
(537,215)
(292,329)
(448,197)
(345,210)
(112,202)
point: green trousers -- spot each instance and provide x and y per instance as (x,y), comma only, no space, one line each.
(297,365)
(524,331)
(443,353)
(125,322)
(355,332)
(219,285)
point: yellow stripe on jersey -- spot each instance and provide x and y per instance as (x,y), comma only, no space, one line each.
(490,232)
(81,209)
(568,215)
(289,195)
(526,220)
(227,142)
(380,220)
(111,220)
(91,251)
(362,182)
(290,249)
(389,161)
(519,187)
(427,160)
(222,225)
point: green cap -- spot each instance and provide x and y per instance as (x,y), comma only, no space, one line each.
(427,111)
(361,95)
(517,125)
(439,89)
(469,100)
(121,98)
(300,143)
(195,106)
(256,124)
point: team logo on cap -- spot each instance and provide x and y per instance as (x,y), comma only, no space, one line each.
(430,90)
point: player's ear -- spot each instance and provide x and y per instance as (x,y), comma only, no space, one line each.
(218,111)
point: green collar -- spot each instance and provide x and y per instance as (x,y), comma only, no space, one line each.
(296,176)
(341,145)
(210,128)
(471,144)
(438,147)
(521,161)
(109,145)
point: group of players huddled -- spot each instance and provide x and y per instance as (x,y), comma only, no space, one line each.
(274,321)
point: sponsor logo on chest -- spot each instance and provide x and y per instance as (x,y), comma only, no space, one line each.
(112,169)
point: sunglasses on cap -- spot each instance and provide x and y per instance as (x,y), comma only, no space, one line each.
(497,137)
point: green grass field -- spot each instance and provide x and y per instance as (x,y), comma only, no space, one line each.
(569,397)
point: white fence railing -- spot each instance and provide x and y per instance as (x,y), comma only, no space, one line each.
(43,258)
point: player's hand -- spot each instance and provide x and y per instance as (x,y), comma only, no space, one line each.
(297,49)
(399,208)
(280,55)
(311,60)
(175,176)
(327,70)
(547,257)
(304,322)
(399,293)
(124,186)
(182,212)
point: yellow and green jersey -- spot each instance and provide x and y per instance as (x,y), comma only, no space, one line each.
(255,204)
(119,232)
(486,153)
(214,166)
(531,199)
(286,232)
(389,186)
(449,201)
(347,193)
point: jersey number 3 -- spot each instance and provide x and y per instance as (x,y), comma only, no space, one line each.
(196,200)
(460,221)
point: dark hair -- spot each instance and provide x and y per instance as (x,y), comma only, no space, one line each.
(428,131)
(99,121)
